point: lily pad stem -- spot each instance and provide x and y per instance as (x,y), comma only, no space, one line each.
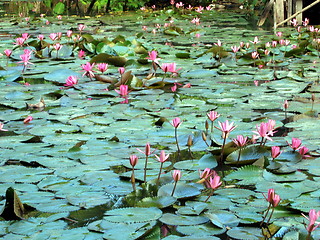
(265,216)
(174,188)
(133,180)
(222,150)
(209,196)
(158,179)
(145,169)
(176,136)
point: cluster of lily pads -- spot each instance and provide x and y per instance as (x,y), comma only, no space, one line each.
(78,172)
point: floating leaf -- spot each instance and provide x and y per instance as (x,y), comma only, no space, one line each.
(106,58)
(182,220)
(158,202)
(193,208)
(247,175)
(245,233)
(203,230)
(13,209)
(182,190)
(222,218)
(133,215)
(128,231)
(248,155)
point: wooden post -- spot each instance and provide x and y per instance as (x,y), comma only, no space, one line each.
(278,10)
(299,6)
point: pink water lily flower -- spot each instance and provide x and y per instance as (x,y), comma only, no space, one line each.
(121,70)
(196,21)
(218,43)
(275,152)
(81,54)
(133,160)
(123,90)
(40,37)
(303,152)
(208,172)
(152,56)
(71,81)
(313,217)
(27,119)
(240,141)
(295,143)
(1,127)
(199,9)
(285,104)
(69,33)
(235,48)
(176,175)
(57,46)
(273,198)
(102,67)
(25,60)
(87,68)
(214,182)
(53,36)
(169,67)
(19,41)
(7,52)
(213,115)
(176,122)
(263,130)
(162,157)
(226,128)
(81,27)
(254,55)
(255,40)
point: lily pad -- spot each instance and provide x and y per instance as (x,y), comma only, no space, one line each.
(133,215)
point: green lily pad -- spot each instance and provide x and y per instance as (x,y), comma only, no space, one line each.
(203,230)
(248,155)
(182,220)
(182,190)
(158,202)
(133,215)
(245,233)
(247,175)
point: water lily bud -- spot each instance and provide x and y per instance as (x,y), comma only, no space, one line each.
(190,141)
(207,125)
(204,137)
(176,175)
(133,160)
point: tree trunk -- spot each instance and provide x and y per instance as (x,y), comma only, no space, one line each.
(108,6)
(125,7)
(91,6)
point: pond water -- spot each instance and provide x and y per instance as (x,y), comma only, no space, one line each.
(70,163)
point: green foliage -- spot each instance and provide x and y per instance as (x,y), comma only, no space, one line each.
(47,3)
(59,8)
